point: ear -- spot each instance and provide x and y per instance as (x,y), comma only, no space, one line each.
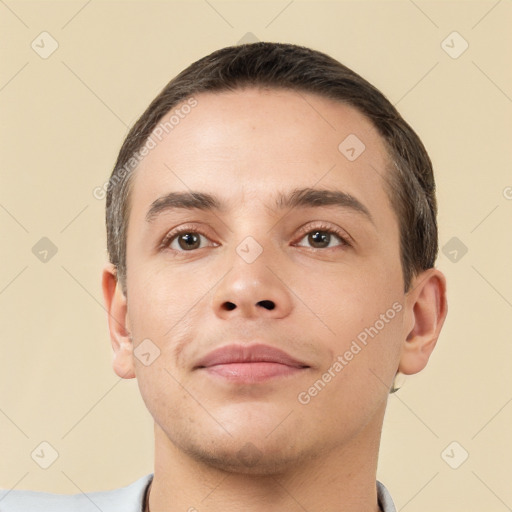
(426,310)
(120,336)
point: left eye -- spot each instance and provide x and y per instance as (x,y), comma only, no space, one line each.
(321,238)
(186,241)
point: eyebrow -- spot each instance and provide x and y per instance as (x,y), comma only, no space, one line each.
(298,198)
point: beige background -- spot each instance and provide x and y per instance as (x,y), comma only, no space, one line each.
(63,119)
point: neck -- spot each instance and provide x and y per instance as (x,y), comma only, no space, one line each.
(340,480)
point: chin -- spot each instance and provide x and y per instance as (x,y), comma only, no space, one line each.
(247,458)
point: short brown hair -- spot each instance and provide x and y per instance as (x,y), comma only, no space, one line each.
(409,184)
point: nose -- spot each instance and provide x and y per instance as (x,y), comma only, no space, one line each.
(253,290)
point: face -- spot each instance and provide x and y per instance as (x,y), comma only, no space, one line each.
(262,263)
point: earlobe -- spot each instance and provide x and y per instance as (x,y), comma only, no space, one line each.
(426,307)
(120,336)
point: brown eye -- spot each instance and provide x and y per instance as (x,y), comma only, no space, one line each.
(189,241)
(319,239)
(323,239)
(186,241)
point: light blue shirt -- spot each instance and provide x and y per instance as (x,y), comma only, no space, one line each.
(124,499)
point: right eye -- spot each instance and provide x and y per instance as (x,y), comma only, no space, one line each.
(184,240)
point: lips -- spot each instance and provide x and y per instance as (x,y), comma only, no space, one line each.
(239,354)
(242,365)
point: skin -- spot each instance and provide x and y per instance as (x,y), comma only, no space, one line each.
(221,446)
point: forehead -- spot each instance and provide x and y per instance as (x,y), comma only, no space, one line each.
(245,145)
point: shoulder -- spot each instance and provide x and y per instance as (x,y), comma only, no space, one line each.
(129,499)
(385,502)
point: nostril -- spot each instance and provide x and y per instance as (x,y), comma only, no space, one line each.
(268,304)
(229,306)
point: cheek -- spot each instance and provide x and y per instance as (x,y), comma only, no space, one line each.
(349,296)
(159,297)
(167,307)
(360,314)
(165,399)
(363,363)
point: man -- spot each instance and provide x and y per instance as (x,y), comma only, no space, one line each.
(271,224)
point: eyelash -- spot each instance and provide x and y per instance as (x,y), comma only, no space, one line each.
(325,229)
(169,238)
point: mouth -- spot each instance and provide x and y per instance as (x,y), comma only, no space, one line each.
(250,363)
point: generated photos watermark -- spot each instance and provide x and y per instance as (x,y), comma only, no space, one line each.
(342,360)
(158,133)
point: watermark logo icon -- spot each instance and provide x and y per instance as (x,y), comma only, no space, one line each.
(248,38)
(454,45)
(44,455)
(352,147)
(249,455)
(44,45)
(44,250)
(249,250)
(454,249)
(454,455)
(146,352)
